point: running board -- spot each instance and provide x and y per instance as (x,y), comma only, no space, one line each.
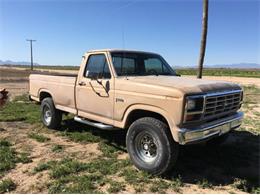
(94,124)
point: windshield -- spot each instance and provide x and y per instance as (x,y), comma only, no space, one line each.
(140,64)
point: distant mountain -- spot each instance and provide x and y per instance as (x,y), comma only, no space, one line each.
(240,65)
(232,66)
(9,62)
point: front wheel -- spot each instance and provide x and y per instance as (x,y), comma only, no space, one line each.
(151,146)
(51,117)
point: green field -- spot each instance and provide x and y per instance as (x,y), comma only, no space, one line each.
(222,72)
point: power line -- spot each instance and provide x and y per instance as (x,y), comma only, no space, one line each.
(31,40)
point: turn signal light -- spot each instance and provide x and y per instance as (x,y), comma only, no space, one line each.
(193,117)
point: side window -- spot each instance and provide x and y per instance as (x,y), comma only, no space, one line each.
(97,67)
(124,65)
(153,64)
(106,71)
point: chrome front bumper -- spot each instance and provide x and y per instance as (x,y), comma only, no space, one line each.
(209,130)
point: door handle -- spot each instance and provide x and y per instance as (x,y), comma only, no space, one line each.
(82,83)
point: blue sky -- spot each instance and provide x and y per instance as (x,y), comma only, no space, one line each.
(66,29)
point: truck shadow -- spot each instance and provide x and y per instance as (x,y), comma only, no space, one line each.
(236,159)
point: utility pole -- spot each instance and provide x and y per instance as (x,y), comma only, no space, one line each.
(203,38)
(31,40)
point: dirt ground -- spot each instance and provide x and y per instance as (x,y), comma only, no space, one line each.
(194,161)
(29,182)
(238,80)
(39,152)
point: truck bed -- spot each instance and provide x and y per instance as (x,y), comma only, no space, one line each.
(59,85)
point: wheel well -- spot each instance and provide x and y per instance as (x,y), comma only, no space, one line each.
(44,95)
(137,114)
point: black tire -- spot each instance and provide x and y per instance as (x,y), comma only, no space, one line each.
(51,117)
(162,157)
(218,140)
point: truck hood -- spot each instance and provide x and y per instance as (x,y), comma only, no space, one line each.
(185,85)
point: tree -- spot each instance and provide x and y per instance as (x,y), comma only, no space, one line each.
(203,38)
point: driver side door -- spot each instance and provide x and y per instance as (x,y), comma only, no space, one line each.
(95,90)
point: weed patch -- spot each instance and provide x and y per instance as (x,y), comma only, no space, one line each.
(245,186)
(256,190)
(84,137)
(251,100)
(86,184)
(66,167)
(57,148)
(204,183)
(20,109)
(44,166)
(135,177)
(38,137)
(24,158)
(71,176)
(116,187)
(108,150)
(7,185)
(176,184)
(159,186)
(7,156)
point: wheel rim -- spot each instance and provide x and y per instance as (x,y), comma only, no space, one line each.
(47,115)
(146,147)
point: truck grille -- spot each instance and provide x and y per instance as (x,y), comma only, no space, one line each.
(221,103)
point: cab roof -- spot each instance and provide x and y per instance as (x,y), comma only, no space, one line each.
(118,50)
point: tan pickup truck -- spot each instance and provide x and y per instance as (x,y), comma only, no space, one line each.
(140,92)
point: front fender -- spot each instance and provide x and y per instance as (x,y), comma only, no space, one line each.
(154,109)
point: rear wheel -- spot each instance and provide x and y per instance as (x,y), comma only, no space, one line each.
(151,146)
(51,117)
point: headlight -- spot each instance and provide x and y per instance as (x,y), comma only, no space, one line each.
(194,108)
(191,104)
(194,103)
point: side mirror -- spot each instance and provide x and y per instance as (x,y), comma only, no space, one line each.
(107,87)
